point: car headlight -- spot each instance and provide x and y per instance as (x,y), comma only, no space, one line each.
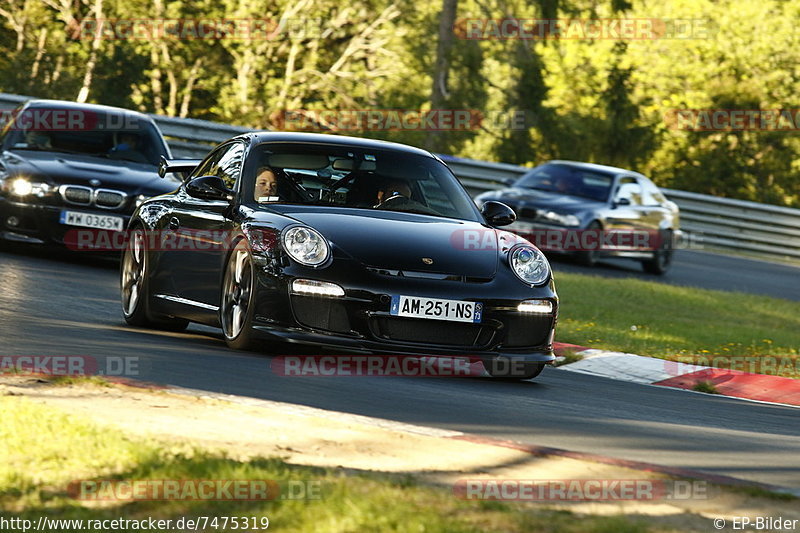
(24,187)
(306,246)
(529,264)
(558,218)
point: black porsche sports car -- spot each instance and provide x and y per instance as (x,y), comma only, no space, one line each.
(66,166)
(593,211)
(345,243)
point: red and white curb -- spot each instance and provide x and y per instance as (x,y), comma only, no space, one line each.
(649,370)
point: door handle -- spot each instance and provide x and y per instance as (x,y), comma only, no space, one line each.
(174,223)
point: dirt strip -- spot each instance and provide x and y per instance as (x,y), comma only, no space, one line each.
(247,428)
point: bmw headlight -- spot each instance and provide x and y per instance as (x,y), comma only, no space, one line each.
(557,218)
(23,187)
(529,264)
(306,246)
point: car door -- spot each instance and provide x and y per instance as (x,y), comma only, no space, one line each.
(626,213)
(656,214)
(203,230)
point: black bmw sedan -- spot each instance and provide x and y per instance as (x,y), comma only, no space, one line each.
(593,211)
(66,166)
(344,243)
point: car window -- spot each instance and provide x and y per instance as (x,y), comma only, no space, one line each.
(629,189)
(121,136)
(225,162)
(347,176)
(569,180)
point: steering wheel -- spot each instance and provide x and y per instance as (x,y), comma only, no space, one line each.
(398,202)
(396,199)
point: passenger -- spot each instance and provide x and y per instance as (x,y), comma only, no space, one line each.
(266,188)
(38,139)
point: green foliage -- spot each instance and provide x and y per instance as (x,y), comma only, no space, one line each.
(600,100)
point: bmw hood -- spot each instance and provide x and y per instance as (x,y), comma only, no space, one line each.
(405,241)
(544,199)
(60,168)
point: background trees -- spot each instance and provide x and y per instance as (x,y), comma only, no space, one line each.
(597,100)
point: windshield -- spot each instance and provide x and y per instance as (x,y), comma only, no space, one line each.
(123,137)
(329,175)
(568,180)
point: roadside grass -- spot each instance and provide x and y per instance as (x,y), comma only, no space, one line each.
(699,326)
(44,450)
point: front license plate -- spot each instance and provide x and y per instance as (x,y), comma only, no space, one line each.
(90,220)
(436,309)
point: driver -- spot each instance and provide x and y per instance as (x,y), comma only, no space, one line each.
(393,189)
(128,148)
(266,189)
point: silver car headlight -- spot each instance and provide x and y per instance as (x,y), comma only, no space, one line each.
(529,264)
(306,246)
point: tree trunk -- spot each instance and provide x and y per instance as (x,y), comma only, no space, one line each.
(83,94)
(439,94)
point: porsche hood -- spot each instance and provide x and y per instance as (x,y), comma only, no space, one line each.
(406,241)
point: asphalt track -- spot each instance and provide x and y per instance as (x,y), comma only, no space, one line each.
(68,305)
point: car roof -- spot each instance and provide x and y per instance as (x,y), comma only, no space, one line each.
(259,137)
(597,168)
(66,104)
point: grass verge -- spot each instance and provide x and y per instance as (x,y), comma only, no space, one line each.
(706,327)
(44,450)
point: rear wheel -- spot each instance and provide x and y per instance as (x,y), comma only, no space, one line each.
(238,294)
(133,287)
(503,368)
(662,258)
(589,257)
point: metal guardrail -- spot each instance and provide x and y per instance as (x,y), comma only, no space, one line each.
(759,229)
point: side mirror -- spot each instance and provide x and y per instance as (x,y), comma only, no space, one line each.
(498,214)
(209,188)
(621,201)
(180,167)
(509,182)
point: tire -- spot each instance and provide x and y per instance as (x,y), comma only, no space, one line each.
(516,371)
(589,257)
(237,299)
(134,292)
(661,261)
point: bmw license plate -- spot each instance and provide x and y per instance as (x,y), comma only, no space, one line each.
(436,309)
(90,220)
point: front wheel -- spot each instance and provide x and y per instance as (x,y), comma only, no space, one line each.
(503,368)
(662,258)
(238,295)
(589,257)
